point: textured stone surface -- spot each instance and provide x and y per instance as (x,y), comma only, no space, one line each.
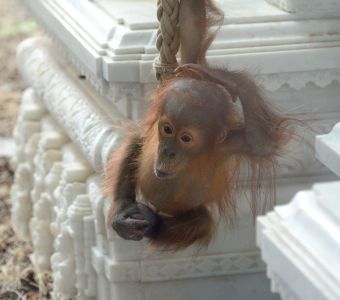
(300,244)
(66,130)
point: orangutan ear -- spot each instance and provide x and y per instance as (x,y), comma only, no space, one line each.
(222,135)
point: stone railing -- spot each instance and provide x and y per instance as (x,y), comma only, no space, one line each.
(300,241)
(300,244)
(63,139)
(327,148)
(70,124)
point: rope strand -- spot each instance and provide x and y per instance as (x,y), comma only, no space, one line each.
(167,37)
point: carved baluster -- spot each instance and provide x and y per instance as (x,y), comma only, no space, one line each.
(89,242)
(72,184)
(48,154)
(100,248)
(79,209)
(26,135)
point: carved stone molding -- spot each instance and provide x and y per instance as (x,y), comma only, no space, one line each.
(181,268)
(299,80)
(327,148)
(110,44)
(69,104)
(66,132)
(201,266)
(281,287)
(299,242)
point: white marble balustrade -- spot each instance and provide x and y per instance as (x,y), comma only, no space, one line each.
(69,124)
(58,205)
(300,243)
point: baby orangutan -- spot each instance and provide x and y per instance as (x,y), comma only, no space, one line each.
(186,156)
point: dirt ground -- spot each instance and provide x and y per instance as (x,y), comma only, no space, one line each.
(17,278)
(11,85)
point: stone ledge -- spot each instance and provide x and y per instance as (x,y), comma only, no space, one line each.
(327,148)
(110,42)
(64,135)
(300,244)
(74,109)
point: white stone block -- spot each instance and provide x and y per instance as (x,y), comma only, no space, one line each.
(300,244)
(327,148)
(316,8)
(68,127)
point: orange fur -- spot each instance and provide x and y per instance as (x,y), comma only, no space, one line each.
(211,177)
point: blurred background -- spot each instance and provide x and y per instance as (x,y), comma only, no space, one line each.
(17,279)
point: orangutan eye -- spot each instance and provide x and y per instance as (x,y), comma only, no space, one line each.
(186,138)
(168,129)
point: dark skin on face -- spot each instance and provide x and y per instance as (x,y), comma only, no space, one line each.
(186,157)
(184,131)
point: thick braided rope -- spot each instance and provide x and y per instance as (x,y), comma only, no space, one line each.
(167,37)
